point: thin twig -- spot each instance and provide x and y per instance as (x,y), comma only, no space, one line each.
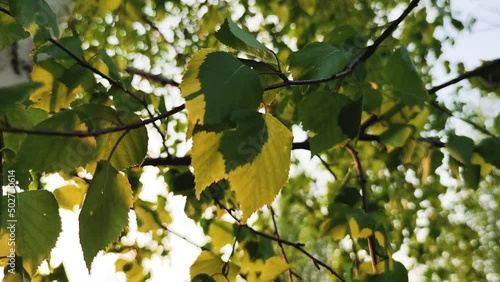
(327,166)
(277,235)
(471,123)
(298,246)
(92,132)
(113,82)
(360,57)
(469,74)
(364,192)
(165,227)
(154,77)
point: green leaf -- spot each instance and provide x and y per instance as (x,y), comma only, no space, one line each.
(212,265)
(461,148)
(360,223)
(404,81)
(53,95)
(203,278)
(56,153)
(472,175)
(309,6)
(273,268)
(150,215)
(112,69)
(221,233)
(37,225)
(316,60)
(253,184)
(78,76)
(34,12)
(71,43)
(70,195)
(104,212)
(390,272)
(123,148)
(233,36)
(349,196)
(10,31)
(12,95)
(20,116)
(397,135)
(242,144)
(216,84)
(268,75)
(331,119)
(372,100)
(488,149)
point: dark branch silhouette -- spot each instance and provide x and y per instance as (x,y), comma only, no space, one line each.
(469,74)
(153,77)
(298,246)
(364,195)
(92,132)
(362,56)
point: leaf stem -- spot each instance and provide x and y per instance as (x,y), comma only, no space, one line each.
(364,192)
(298,246)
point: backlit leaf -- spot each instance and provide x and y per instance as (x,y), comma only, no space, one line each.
(37,225)
(397,135)
(12,95)
(331,119)
(53,95)
(488,149)
(30,13)
(107,203)
(10,31)
(70,195)
(360,224)
(72,44)
(461,148)
(216,84)
(208,162)
(123,148)
(390,272)
(244,143)
(316,60)
(55,153)
(221,233)
(233,36)
(212,265)
(472,175)
(404,80)
(258,182)
(273,268)
(20,116)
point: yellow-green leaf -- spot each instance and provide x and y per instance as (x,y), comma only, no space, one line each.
(104,213)
(221,233)
(259,182)
(36,225)
(55,153)
(360,224)
(273,267)
(123,148)
(208,263)
(70,195)
(235,37)
(216,84)
(208,162)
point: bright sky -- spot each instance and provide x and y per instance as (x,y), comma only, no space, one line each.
(481,44)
